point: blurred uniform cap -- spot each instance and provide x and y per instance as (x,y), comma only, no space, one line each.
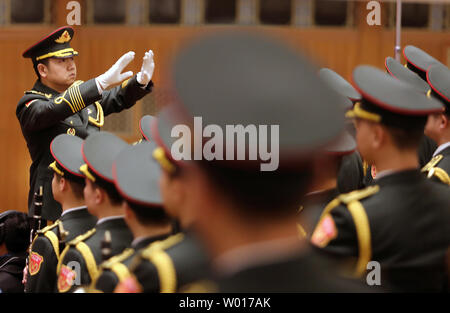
(246,79)
(397,70)
(418,60)
(438,77)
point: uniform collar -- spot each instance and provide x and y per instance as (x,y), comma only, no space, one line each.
(73,209)
(39,86)
(109,218)
(441,148)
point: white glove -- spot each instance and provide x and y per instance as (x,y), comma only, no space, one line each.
(114,75)
(147,68)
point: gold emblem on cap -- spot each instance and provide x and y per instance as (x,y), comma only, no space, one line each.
(71,131)
(65,37)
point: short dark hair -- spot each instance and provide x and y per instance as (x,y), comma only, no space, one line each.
(406,138)
(36,63)
(110,190)
(261,193)
(76,185)
(17,232)
(149,215)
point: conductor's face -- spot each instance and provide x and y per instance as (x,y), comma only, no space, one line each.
(59,73)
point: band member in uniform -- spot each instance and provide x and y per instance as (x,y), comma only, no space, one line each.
(354,173)
(99,151)
(67,184)
(324,185)
(58,103)
(395,69)
(438,125)
(246,213)
(386,222)
(168,266)
(136,176)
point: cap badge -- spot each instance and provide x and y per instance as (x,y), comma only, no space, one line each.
(65,37)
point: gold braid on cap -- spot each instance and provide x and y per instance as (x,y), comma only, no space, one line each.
(55,168)
(358,112)
(162,159)
(85,170)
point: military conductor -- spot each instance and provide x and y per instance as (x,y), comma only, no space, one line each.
(58,103)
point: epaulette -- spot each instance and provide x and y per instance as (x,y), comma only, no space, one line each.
(360,219)
(82,237)
(47,95)
(433,162)
(47,228)
(358,194)
(161,245)
(438,172)
(117,258)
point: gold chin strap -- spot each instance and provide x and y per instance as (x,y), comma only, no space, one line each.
(361,113)
(60,53)
(84,169)
(429,93)
(55,168)
(160,156)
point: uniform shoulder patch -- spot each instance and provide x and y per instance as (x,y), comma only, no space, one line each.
(325,231)
(358,194)
(66,278)
(35,262)
(129,285)
(82,237)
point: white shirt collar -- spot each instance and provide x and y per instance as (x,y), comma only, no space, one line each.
(108,218)
(441,148)
(73,209)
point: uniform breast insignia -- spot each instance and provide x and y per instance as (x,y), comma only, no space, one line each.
(35,263)
(66,278)
(71,131)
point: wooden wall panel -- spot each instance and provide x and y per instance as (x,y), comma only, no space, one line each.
(338,48)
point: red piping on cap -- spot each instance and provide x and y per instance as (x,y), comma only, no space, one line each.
(46,38)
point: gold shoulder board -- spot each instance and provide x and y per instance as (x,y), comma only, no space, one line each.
(82,237)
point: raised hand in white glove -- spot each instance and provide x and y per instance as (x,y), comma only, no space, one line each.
(114,75)
(147,68)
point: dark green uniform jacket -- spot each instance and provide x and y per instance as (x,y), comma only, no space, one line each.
(48,244)
(179,260)
(114,270)
(11,272)
(43,114)
(401,222)
(78,264)
(306,271)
